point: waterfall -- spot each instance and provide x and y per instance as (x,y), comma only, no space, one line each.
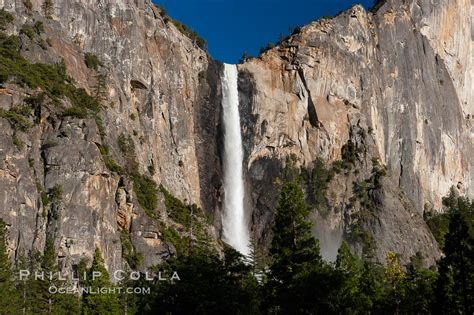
(234,224)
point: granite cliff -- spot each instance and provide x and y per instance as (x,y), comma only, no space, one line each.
(380,100)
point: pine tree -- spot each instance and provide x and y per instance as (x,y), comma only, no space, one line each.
(29,289)
(48,8)
(419,293)
(209,285)
(9,297)
(99,302)
(49,268)
(256,259)
(349,297)
(40,295)
(297,273)
(293,246)
(346,262)
(455,285)
(395,280)
(372,285)
(100,88)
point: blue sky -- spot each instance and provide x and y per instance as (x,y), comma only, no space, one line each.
(234,26)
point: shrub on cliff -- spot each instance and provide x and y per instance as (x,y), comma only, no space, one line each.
(92,61)
(5,19)
(187,31)
(9,297)
(51,79)
(105,303)
(48,8)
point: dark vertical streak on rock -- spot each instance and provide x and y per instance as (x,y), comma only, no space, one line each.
(207,134)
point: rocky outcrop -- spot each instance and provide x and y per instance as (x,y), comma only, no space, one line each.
(161,92)
(402,77)
(388,93)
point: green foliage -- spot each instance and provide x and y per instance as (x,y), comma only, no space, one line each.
(349,154)
(9,297)
(146,191)
(462,206)
(100,125)
(361,235)
(245,56)
(75,112)
(191,34)
(256,259)
(127,148)
(269,46)
(337,166)
(438,224)
(145,188)
(51,79)
(56,193)
(177,210)
(351,296)
(320,178)
(17,142)
(5,19)
(16,118)
(296,261)
(419,294)
(28,4)
(35,295)
(28,31)
(48,8)
(105,303)
(455,285)
(133,258)
(294,30)
(126,145)
(110,163)
(193,221)
(92,61)
(151,169)
(163,12)
(44,199)
(208,285)
(366,190)
(298,281)
(291,172)
(38,27)
(180,242)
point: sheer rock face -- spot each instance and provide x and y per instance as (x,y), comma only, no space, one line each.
(397,83)
(157,93)
(402,76)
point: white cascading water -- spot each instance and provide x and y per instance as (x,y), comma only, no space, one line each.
(234,224)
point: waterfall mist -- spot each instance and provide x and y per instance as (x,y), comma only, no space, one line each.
(235,228)
(329,236)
